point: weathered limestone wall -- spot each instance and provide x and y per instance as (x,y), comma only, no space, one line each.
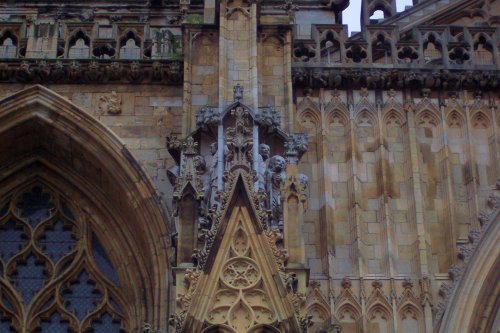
(147,114)
(271,71)
(396,181)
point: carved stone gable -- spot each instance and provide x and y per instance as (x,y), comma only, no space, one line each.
(243,288)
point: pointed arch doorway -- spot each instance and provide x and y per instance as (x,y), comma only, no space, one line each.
(92,240)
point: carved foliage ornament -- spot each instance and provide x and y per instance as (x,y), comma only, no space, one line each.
(208,115)
(110,104)
(71,71)
(268,116)
(239,140)
(295,146)
(394,79)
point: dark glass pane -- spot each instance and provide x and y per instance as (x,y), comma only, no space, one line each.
(12,239)
(4,209)
(66,211)
(57,241)
(103,261)
(5,324)
(82,296)
(29,277)
(7,303)
(55,325)
(35,206)
(115,306)
(105,324)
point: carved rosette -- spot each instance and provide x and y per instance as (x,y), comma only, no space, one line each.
(241,302)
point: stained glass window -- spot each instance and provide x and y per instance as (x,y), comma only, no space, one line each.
(53,266)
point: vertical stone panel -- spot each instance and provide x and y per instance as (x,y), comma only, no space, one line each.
(309,119)
(431,154)
(204,72)
(483,146)
(367,151)
(458,156)
(337,173)
(397,171)
(271,72)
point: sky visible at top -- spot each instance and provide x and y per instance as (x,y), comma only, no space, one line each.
(352,15)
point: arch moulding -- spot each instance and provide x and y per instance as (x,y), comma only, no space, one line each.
(43,135)
(476,287)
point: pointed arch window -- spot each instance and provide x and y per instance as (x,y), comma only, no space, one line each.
(54,273)
(330,49)
(8,45)
(79,46)
(130,46)
(483,52)
(381,50)
(432,51)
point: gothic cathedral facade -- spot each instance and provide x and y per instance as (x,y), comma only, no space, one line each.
(247,166)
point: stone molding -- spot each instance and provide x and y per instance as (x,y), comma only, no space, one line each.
(90,71)
(461,297)
(394,78)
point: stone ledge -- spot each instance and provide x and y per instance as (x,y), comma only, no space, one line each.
(395,78)
(91,71)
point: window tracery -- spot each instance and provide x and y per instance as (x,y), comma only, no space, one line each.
(54,273)
(130,46)
(432,50)
(8,45)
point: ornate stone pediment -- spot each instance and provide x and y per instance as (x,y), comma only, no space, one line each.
(240,287)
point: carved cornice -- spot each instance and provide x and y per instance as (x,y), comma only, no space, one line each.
(295,146)
(90,71)
(395,78)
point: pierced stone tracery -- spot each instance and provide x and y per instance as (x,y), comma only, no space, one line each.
(51,269)
(241,301)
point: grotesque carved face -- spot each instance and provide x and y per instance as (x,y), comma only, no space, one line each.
(264,151)
(213,148)
(277,163)
(199,164)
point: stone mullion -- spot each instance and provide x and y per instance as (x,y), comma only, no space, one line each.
(423,255)
(471,182)
(354,196)
(188,118)
(254,79)
(417,195)
(450,202)
(383,159)
(411,213)
(326,211)
(287,122)
(223,35)
(496,138)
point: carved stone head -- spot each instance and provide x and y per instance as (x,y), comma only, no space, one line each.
(199,164)
(277,163)
(264,151)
